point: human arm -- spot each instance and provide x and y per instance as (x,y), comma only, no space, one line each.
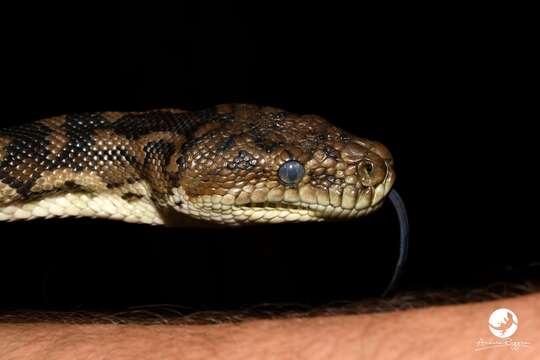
(441,332)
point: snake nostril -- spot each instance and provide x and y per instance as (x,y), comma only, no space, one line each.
(372,171)
(369,167)
(365,168)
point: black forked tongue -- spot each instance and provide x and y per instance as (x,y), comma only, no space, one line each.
(403,240)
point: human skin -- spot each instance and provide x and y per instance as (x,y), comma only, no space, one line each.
(442,332)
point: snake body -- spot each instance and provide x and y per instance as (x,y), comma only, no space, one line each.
(230,164)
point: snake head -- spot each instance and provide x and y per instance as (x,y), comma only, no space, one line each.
(269,166)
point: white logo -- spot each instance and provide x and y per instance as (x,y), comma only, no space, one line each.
(503,323)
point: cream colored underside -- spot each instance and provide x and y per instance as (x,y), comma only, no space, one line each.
(215,209)
(109,205)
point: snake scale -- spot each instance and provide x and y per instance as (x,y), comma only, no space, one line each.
(231,164)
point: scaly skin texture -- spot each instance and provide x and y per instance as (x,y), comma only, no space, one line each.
(219,165)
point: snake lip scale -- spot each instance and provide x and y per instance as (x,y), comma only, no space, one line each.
(232,164)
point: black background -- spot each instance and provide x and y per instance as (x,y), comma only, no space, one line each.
(436,86)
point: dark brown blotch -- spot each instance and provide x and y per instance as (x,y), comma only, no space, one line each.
(129,197)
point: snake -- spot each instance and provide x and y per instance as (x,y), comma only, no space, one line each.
(230,164)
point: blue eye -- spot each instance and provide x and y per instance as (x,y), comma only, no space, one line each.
(291,172)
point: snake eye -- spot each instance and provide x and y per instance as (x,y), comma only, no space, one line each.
(291,172)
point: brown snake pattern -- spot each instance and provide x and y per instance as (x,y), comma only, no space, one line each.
(231,164)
